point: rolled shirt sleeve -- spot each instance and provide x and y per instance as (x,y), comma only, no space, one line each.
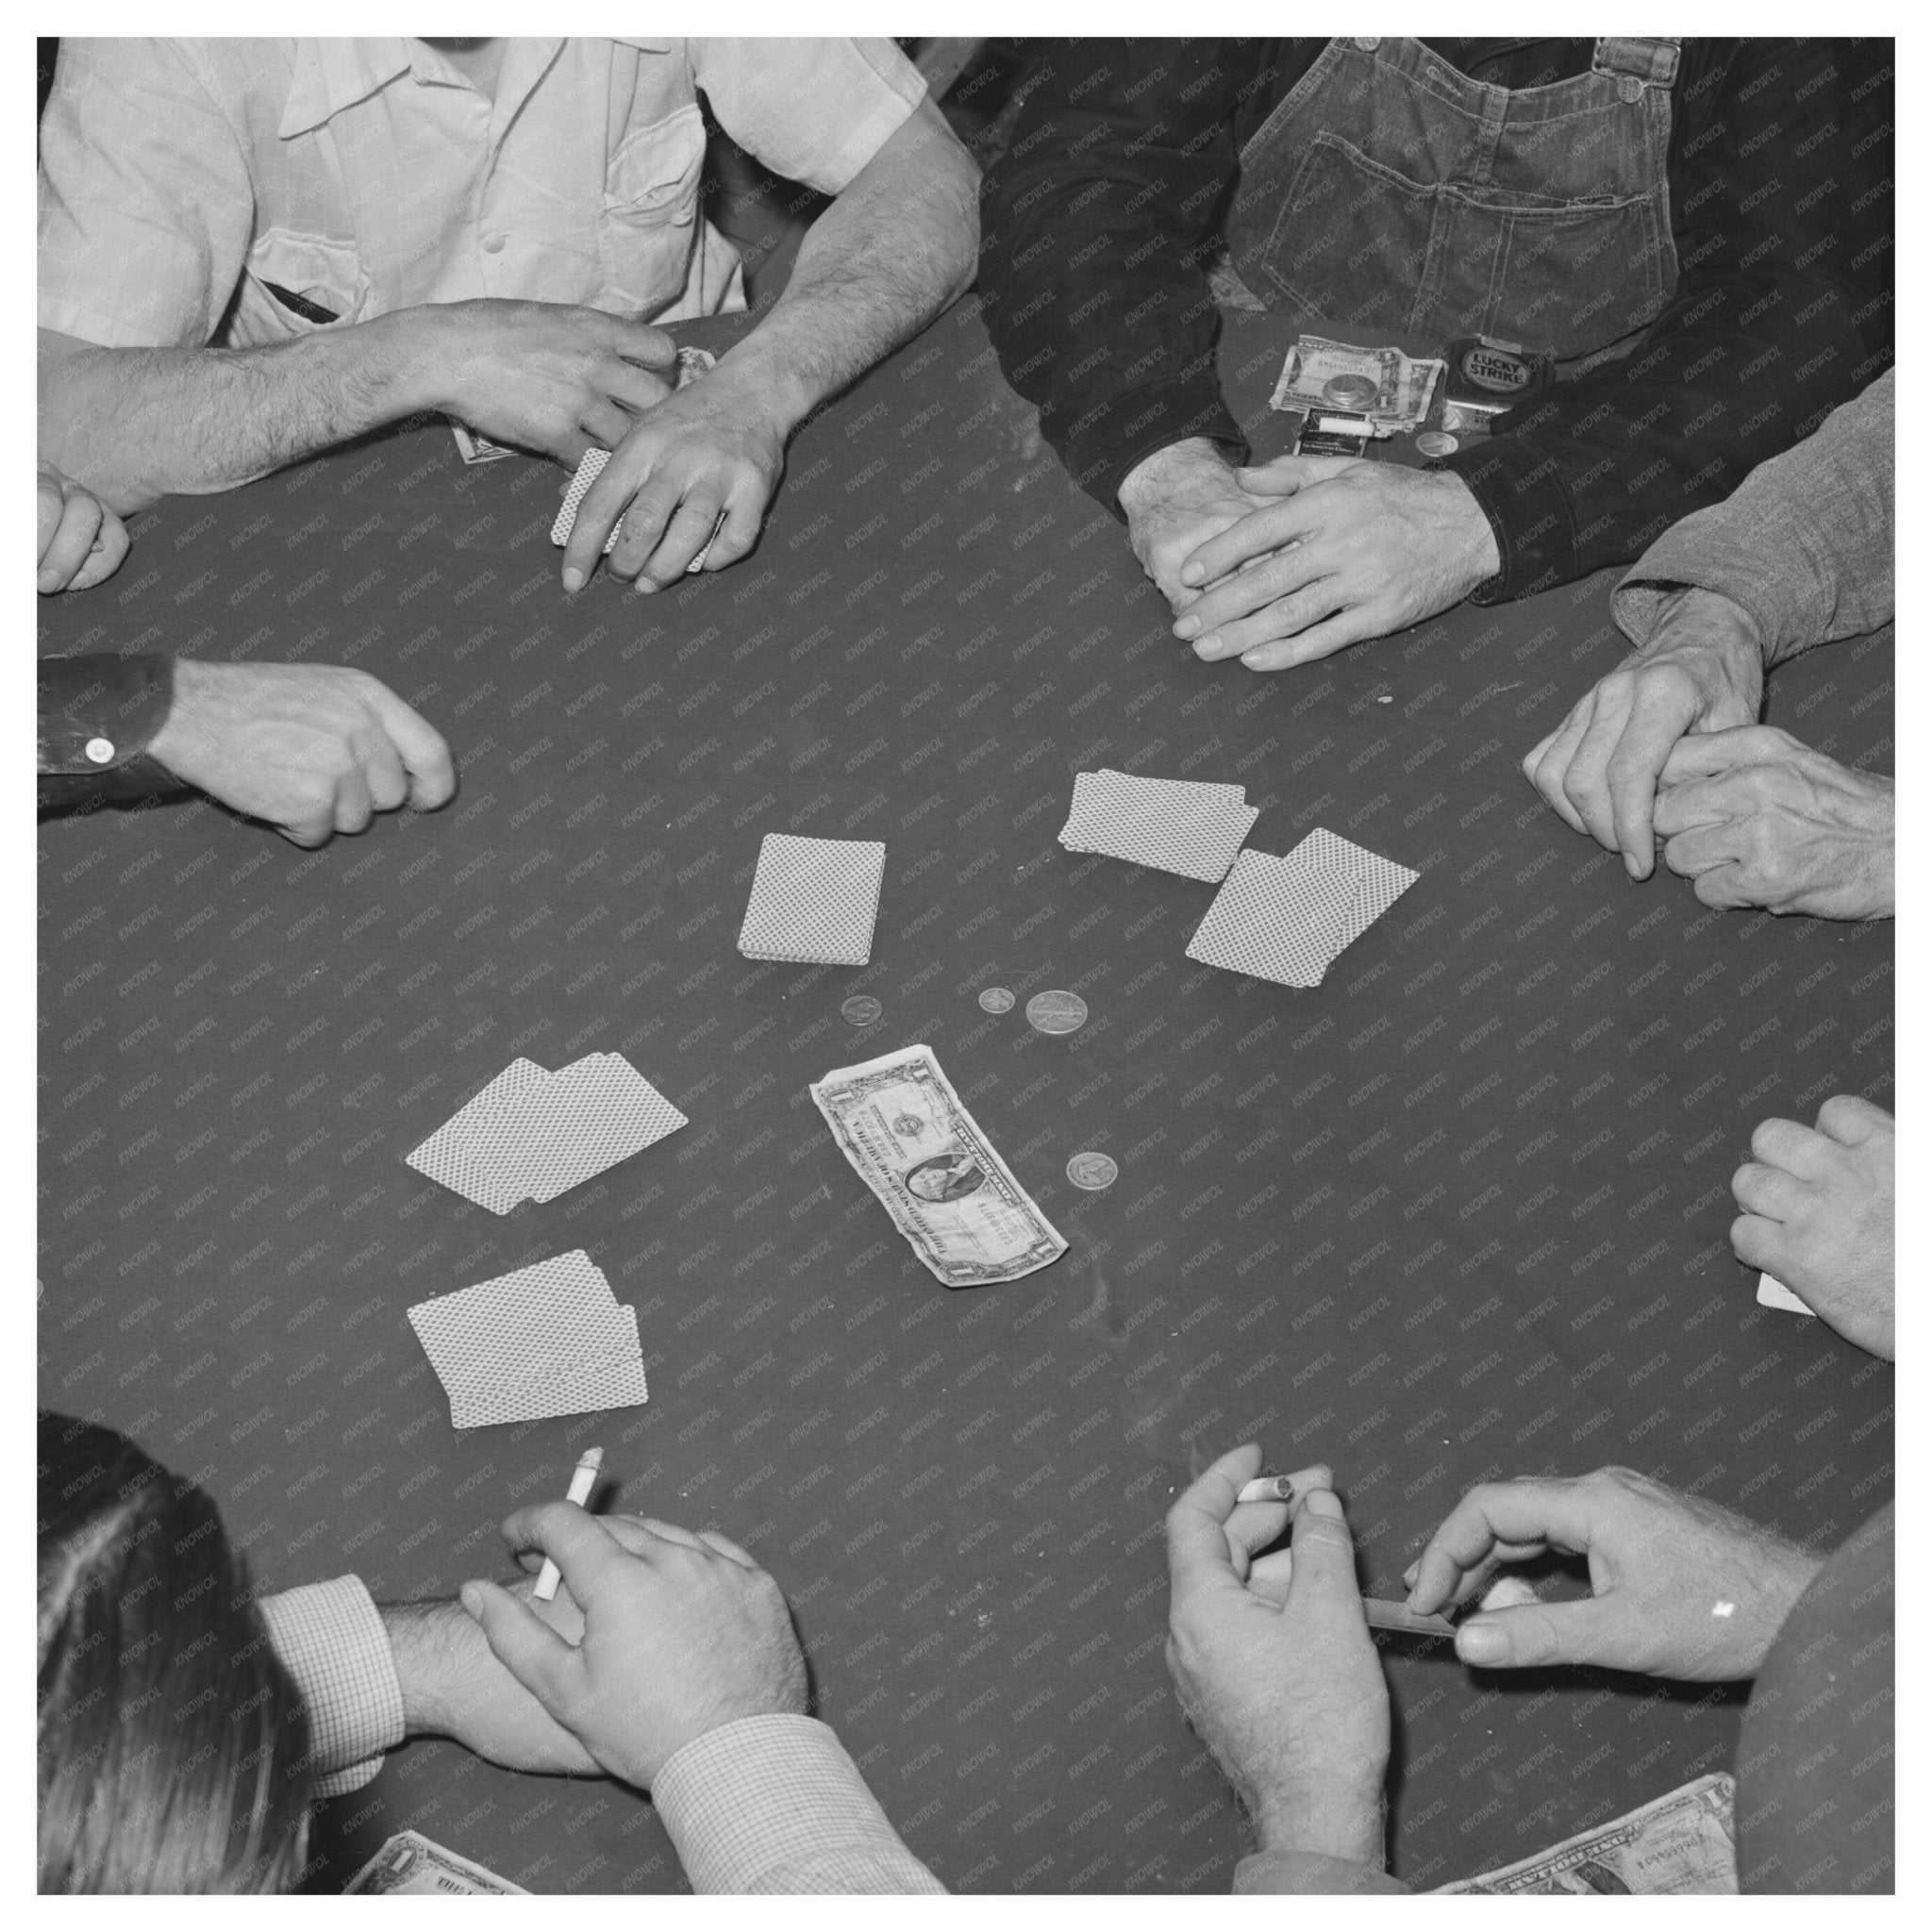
(145,203)
(330,1639)
(774,1805)
(98,714)
(813,110)
(1804,547)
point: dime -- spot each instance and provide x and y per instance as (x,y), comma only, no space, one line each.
(1092,1172)
(1437,442)
(996,999)
(861,1009)
(1056,1012)
(1351,392)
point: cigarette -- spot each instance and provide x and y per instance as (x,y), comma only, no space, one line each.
(1383,1615)
(1286,1488)
(581,1482)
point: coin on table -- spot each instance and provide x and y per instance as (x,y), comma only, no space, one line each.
(1437,442)
(997,999)
(1056,1012)
(1092,1172)
(1349,391)
(861,1009)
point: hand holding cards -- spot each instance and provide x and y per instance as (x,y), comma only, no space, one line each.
(534,1135)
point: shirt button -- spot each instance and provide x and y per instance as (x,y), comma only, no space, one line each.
(493,243)
(101,750)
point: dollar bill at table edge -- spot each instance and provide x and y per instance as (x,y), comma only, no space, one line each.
(1046,1246)
(453,1864)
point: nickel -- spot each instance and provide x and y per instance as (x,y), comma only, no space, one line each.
(1437,442)
(1092,1172)
(996,999)
(861,1009)
(1056,1012)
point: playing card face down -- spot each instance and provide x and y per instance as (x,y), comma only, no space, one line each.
(589,470)
(544,1340)
(813,901)
(1288,919)
(1179,825)
(531,1134)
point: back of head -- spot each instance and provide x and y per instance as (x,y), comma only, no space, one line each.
(173,1745)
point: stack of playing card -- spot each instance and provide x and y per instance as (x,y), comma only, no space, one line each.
(1288,919)
(534,1135)
(545,1341)
(1175,824)
(691,363)
(813,901)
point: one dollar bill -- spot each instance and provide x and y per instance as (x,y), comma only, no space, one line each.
(1681,1842)
(411,1865)
(900,1123)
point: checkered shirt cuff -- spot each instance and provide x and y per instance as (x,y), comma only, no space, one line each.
(330,1636)
(773,1805)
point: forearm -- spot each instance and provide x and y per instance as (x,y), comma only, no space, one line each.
(892,249)
(1803,552)
(138,424)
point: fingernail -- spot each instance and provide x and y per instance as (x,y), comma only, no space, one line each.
(1481,1643)
(1631,866)
(472,1599)
(1323,1502)
(645,588)
(1208,645)
(1186,626)
(572,581)
(48,579)
(1192,573)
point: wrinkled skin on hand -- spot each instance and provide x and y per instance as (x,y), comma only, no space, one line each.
(1752,816)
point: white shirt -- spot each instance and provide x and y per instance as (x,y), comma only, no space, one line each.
(180,177)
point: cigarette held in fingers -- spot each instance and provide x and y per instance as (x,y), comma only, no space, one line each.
(582,1482)
(1285,1488)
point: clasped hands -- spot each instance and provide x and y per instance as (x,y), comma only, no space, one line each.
(1285,562)
(1274,1668)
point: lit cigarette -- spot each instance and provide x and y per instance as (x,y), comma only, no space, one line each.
(581,1484)
(1286,1488)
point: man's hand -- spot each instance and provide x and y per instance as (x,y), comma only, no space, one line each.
(1815,1209)
(1282,1684)
(454,1687)
(82,540)
(311,748)
(1347,550)
(1175,500)
(543,375)
(1682,1589)
(1752,816)
(716,445)
(1703,671)
(682,1633)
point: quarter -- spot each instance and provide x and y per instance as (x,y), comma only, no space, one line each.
(1437,442)
(1092,1172)
(861,1009)
(1056,1012)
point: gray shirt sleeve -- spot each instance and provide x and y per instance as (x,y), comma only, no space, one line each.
(1804,547)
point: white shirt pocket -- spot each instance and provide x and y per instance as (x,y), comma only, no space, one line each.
(320,274)
(651,195)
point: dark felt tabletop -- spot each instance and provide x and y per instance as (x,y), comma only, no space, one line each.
(1461,1211)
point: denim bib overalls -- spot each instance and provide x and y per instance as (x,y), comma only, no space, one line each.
(1390,196)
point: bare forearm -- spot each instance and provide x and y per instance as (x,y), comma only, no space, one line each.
(138,424)
(887,257)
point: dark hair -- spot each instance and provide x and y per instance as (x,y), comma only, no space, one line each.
(173,1744)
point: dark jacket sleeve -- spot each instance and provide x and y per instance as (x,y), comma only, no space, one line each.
(1783,311)
(1096,225)
(97,716)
